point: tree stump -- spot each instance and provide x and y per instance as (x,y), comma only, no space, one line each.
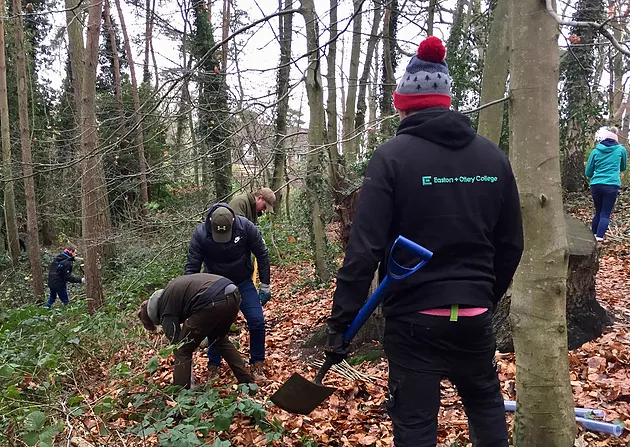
(586,318)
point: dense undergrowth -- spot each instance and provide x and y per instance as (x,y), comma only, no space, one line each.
(48,356)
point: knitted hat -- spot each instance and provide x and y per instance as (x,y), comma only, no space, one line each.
(426,82)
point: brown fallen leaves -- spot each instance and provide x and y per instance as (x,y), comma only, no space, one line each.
(355,415)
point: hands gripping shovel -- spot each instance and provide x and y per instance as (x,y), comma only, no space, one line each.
(301,396)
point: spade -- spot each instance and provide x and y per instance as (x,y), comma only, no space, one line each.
(300,395)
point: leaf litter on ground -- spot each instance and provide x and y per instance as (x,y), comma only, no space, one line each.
(355,415)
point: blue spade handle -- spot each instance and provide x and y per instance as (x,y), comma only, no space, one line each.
(395,272)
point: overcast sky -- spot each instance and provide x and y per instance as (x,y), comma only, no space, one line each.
(258,48)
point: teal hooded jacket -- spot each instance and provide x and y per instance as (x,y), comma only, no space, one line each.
(606,162)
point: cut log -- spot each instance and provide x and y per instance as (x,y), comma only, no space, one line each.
(586,318)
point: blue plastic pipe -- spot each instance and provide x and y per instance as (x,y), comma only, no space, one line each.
(395,272)
(588,424)
(510,405)
(604,427)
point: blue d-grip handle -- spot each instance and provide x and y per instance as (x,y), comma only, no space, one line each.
(395,272)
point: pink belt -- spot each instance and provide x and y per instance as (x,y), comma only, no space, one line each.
(461,312)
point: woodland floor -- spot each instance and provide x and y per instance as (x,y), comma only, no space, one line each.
(354,415)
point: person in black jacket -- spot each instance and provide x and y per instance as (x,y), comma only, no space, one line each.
(60,274)
(224,244)
(191,308)
(452,191)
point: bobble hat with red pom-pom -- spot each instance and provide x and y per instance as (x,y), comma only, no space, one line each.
(426,82)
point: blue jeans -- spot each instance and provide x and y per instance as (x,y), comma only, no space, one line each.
(62,293)
(604,198)
(253,313)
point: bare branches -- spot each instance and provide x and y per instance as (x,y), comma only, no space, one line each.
(600,27)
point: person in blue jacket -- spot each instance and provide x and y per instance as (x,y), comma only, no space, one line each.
(224,244)
(60,274)
(604,166)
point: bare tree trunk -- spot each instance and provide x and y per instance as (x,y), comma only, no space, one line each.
(372,139)
(314,178)
(10,218)
(182,114)
(359,119)
(89,179)
(431,16)
(116,61)
(617,71)
(155,65)
(146,73)
(284,74)
(144,189)
(27,160)
(336,167)
(349,148)
(75,54)
(538,309)
(495,73)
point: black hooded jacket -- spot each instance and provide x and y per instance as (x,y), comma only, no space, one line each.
(448,189)
(233,259)
(60,271)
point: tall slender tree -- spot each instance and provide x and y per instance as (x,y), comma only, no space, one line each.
(113,48)
(10,218)
(359,120)
(390,28)
(137,112)
(76,51)
(538,308)
(495,73)
(27,159)
(89,177)
(284,76)
(349,148)
(314,179)
(336,165)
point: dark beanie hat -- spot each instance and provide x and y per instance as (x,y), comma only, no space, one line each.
(426,82)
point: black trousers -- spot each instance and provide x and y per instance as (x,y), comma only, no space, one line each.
(423,349)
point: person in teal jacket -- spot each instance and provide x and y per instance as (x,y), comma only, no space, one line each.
(606,162)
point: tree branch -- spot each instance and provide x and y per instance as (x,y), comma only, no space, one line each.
(600,27)
(481,107)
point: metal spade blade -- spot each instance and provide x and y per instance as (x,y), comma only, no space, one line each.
(301,396)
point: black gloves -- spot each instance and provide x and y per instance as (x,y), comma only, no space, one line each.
(337,349)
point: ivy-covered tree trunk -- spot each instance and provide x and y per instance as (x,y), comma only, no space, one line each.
(577,95)
(213,127)
(495,72)
(538,310)
(390,27)
(284,73)
(10,218)
(27,159)
(137,114)
(315,183)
